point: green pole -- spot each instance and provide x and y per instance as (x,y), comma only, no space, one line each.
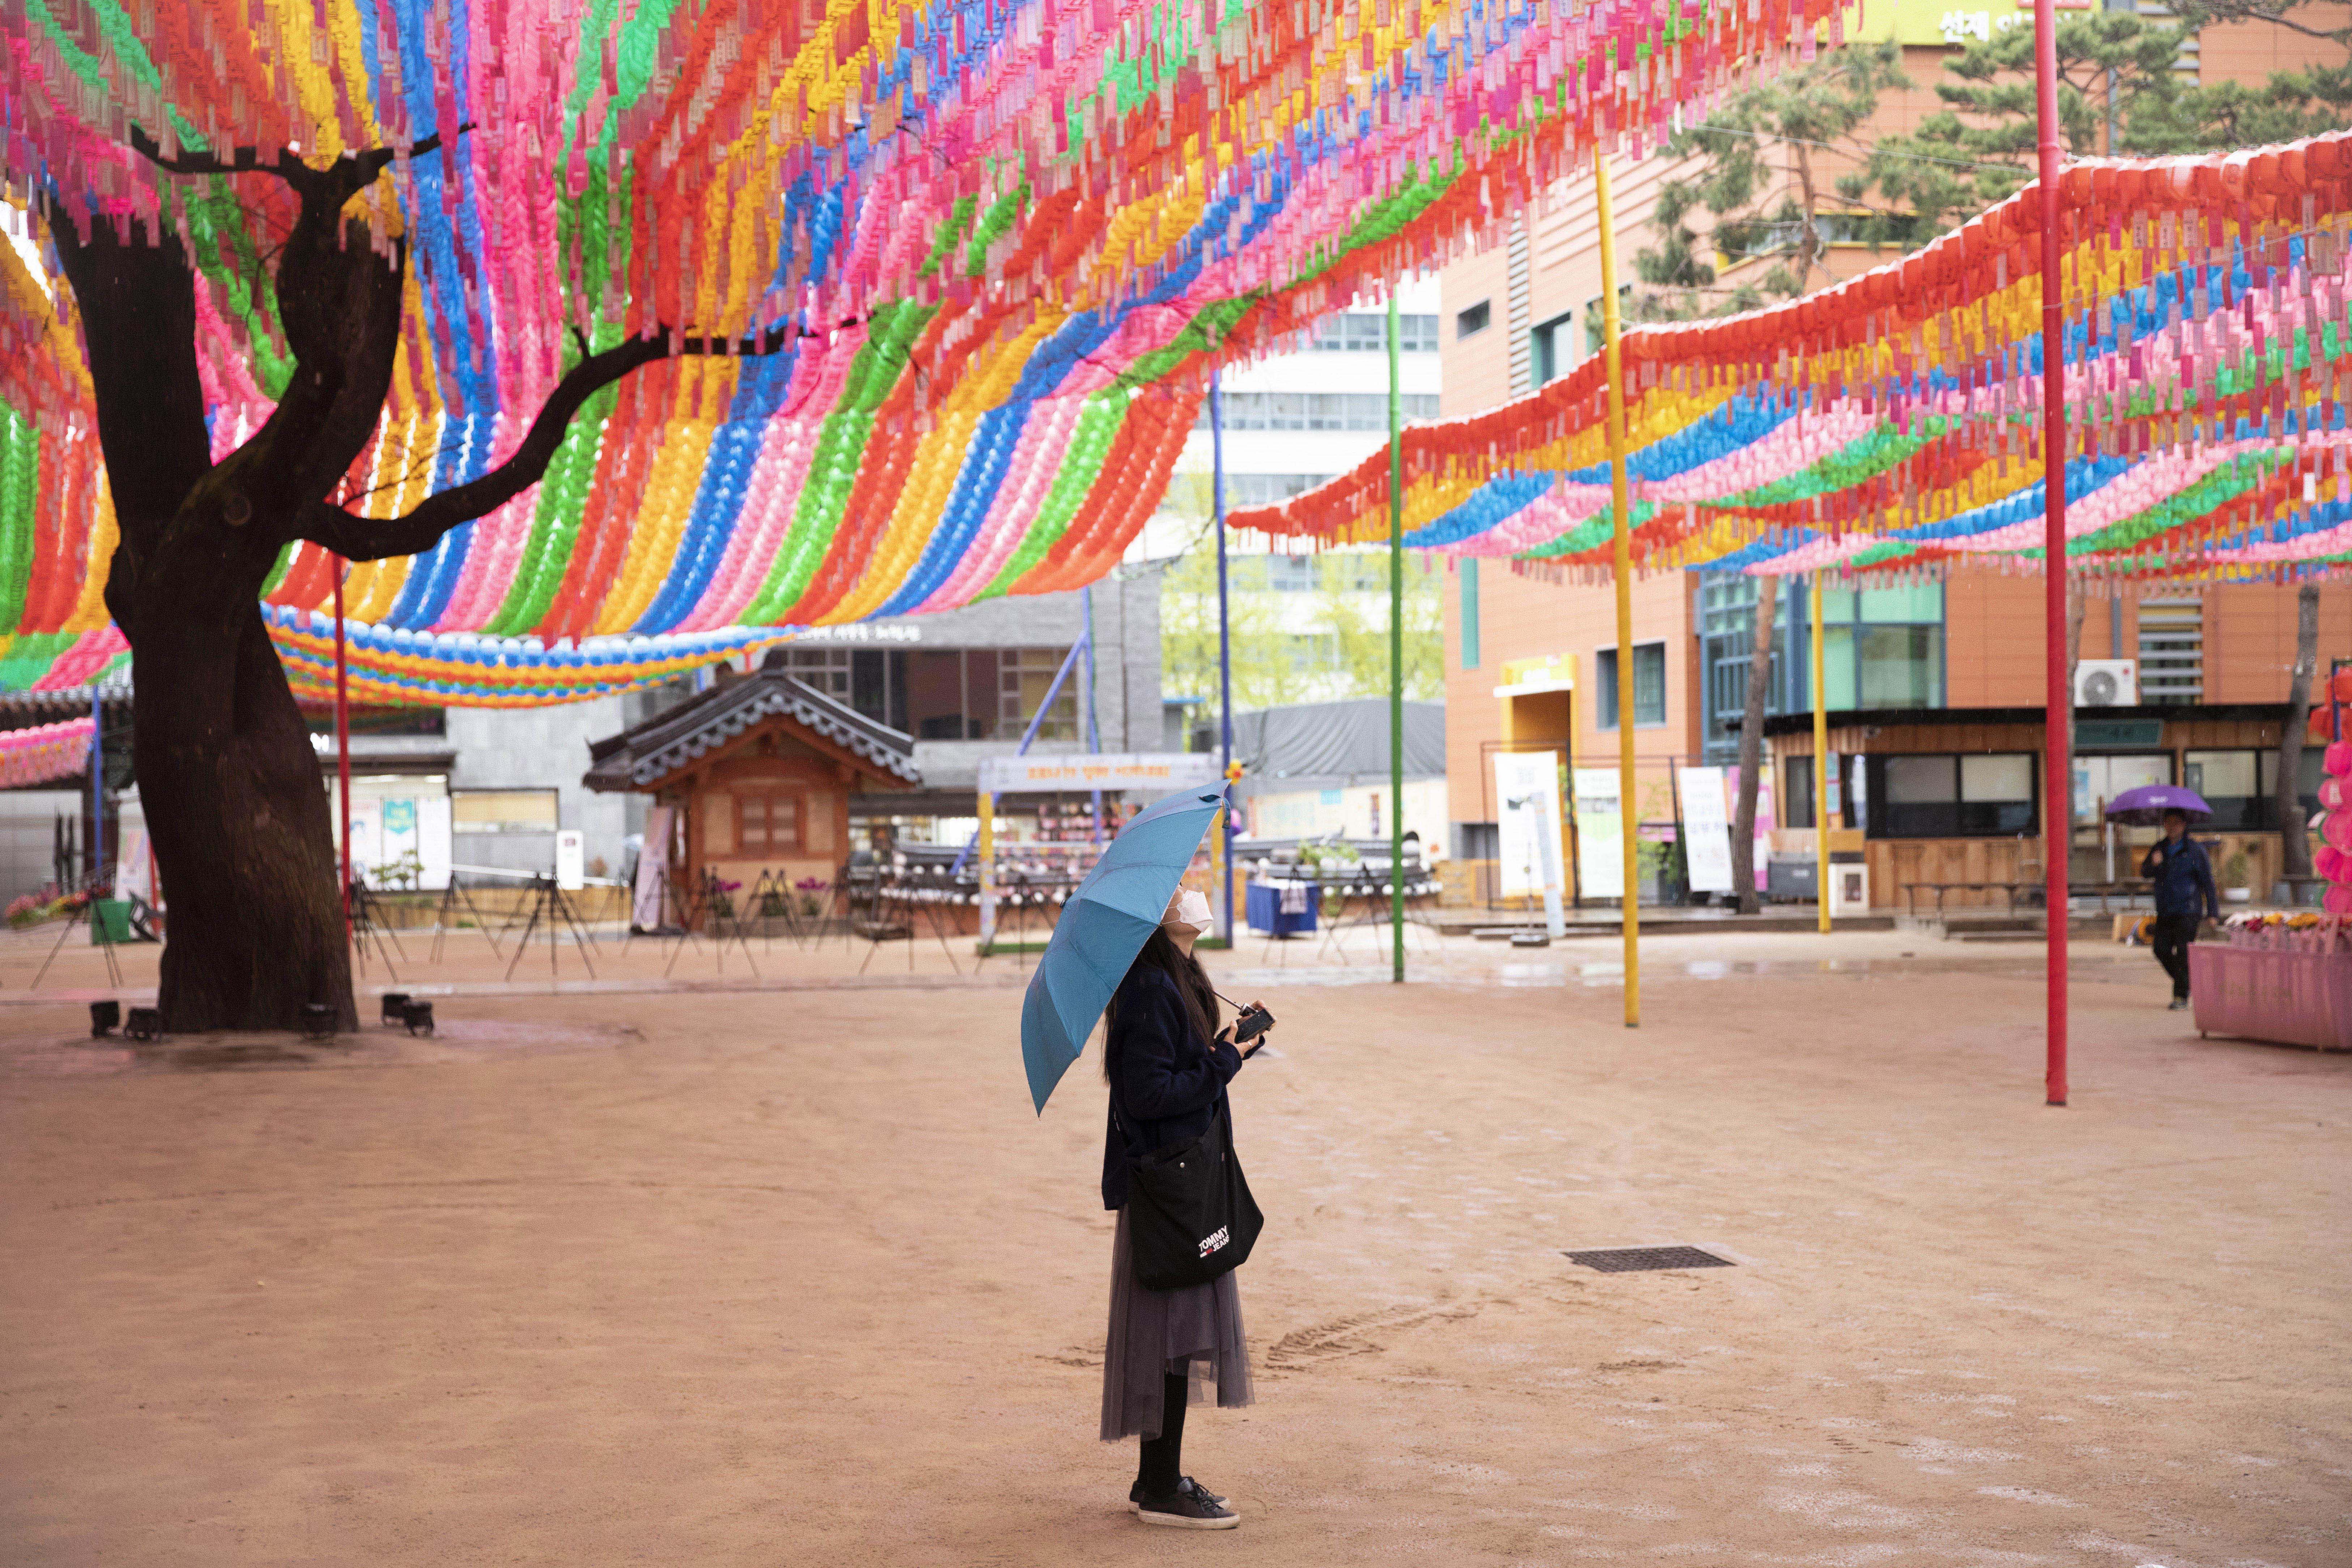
(1396,647)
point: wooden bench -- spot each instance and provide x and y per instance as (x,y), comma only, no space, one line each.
(2008,892)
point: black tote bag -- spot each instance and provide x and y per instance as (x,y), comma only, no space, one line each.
(1190,1214)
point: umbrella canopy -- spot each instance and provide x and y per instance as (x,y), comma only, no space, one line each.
(2146,806)
(1103,927)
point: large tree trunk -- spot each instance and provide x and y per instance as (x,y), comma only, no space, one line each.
(227,777)
(1751,746)
(2294,842)
(235,803)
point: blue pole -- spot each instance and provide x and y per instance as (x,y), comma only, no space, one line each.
(1094,729)
(1225,632)
(1069,662)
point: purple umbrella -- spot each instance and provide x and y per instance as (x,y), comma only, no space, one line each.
(2146,806)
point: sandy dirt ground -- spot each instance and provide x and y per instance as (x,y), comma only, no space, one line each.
(621,1274)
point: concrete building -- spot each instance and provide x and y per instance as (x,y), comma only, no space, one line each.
(1290,422)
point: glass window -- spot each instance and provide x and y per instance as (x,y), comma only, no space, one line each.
(826,669)
(502,810)
(1317,411)
(2313,752)
(1921,781)
(1474,320)
(1923,602)
(1997,793)
(2228,781)
(1547,346)
(1797,792)
(1367,332)
(767,823)
(1649,685)
(1023,676)
(1943,795)
(1899,667)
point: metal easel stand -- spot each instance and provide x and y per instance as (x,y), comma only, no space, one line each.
(453,895)
(368,925)
(113,968)
(548,903)
(705,902)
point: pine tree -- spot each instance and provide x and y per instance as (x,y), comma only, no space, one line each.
(1786,175)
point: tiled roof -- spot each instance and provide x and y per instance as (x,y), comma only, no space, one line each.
(634,758)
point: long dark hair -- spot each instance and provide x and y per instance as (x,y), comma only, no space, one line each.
(1160,953)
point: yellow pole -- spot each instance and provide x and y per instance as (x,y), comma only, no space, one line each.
(1821,766)
(987,871)
(1623,561)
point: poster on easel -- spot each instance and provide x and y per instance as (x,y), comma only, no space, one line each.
(1599,836)
(1527,784)
(1707,830)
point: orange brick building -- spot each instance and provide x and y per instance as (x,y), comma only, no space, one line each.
(1923,672)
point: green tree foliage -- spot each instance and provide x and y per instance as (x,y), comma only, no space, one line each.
(1315,641)
(1787,172)
(1979,149)
(2119,90)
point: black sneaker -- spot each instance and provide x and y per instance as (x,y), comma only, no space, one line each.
(1187,1508)
(2180,1004)
(1135,1493)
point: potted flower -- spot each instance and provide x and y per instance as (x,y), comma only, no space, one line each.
(810,889)
(2233,877)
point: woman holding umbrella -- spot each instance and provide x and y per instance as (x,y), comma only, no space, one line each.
(1121,955)
(2182,871)
(1168,1073)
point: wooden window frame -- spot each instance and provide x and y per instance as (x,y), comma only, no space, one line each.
(767,848)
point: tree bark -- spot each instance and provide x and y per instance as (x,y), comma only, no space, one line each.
(227,777)
(1751,747)
(235,806)
(2295,841)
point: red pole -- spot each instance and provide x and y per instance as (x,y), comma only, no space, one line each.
(344,746)
(2058,789)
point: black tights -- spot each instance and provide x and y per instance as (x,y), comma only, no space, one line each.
(1163,1464)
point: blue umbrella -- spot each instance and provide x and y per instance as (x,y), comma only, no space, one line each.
(2146,806)
(1103,927)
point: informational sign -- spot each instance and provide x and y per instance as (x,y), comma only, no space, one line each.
(433,842)
(570,859)
(1150,772)
(397,861)
(1944,22)
(1599,835)
(1706,829)
(1527,785)
(653,868)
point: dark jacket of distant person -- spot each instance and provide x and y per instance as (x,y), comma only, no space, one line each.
(1166,1081)
(2184,878)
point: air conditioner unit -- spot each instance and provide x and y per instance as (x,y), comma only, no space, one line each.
(2107,683)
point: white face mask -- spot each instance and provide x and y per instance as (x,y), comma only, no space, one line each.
(1191,910)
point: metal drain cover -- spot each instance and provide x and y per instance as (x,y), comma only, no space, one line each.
(1625,1260)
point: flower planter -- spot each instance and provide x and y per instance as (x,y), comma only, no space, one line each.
(2295,998)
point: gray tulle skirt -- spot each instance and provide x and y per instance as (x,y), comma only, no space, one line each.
(1196,1331)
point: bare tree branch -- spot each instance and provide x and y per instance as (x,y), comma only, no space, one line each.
(362,167)
(375,539)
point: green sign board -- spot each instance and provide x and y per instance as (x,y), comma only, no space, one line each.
(2118,734)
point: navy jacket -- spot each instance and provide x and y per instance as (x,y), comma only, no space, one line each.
(2184,879)
(1169,1082)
